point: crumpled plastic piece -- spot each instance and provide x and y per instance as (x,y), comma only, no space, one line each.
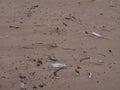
(59,65)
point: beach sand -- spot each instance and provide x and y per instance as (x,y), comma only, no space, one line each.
(34,34)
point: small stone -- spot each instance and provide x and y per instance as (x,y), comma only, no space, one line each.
(34,87)
(41,85)
(110,51)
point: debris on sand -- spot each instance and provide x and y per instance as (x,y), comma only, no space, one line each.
(110,51)
(22,85)
(39,62)
(78,72)
(59,65)
(101,54)
(84,59)
(42,85)
(58,69)
(90,75)
(64,24)
(34,87)
(15,27)
(22,77)
(31,10)
(96,34)
(53,45)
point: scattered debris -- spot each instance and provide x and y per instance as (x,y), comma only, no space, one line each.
(84,59)
(78,67)
(52,45)
(59,65)
(55,72)
(95,62)
(96,34)
(39,86)
(42,85)
(68,18)
(58,69)
(57,30)
(39,62)
(77,72)
(86,32)
(101,54)
(22,77)
(64,24)
(110,51)
(34,7)
(34,87)
(16,27)
(72,18)
(32,73)
(48,57)
(30,11)
(22,85)
(90,75)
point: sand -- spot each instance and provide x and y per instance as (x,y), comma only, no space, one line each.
(34,34)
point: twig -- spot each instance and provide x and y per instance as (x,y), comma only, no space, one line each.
(101,54)
(57,70)
(84,59)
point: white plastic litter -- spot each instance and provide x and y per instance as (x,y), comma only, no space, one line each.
(96,34)
(22,85)
(59,65)
(90,75)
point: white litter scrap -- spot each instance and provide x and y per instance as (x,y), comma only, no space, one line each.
(90,75)
(59,65)
(96,34)
(22,85)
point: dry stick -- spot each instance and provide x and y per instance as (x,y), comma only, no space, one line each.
(84,59)
(64,24)
(55,72)
(101,54)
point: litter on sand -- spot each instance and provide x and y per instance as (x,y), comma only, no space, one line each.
(59,65)
(52,45)
(90,75)
(31,10)
(22,85)
(96,34)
